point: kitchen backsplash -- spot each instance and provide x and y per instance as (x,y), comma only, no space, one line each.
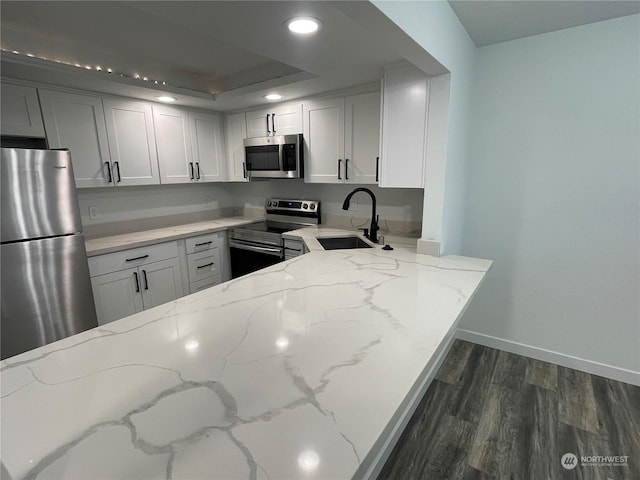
(400,209)
(125,209)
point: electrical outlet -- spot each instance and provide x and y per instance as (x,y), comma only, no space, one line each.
(353,206)
(93,212)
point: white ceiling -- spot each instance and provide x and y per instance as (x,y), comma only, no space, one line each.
(226,55)
(489,22)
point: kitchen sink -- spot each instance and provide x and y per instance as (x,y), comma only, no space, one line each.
(336,243)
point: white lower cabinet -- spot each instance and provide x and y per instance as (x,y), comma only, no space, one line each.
(133,280)
(293,248)
(117,295)
(205,260)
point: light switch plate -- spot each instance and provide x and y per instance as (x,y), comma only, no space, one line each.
(93,212)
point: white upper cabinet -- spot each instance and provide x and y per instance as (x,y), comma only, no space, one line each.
(173,139)
(362,138)
(77,122)
(236,132)
(277,120)
(342,137)
(21,114)
(404,118)
(207,146)
(132,142)
(324,141)
(190,145)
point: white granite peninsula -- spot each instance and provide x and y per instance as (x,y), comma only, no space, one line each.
(300,370)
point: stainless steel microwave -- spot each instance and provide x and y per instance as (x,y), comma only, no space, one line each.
(279,156)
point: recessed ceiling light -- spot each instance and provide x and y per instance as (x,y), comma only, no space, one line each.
(166,99)
(273,96)
(303,25)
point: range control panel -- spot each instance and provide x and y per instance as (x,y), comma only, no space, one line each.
(273,205)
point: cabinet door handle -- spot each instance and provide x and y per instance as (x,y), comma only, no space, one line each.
(203,243)
(146,282)
(339,168)
(294,249)
(377,168)
(204,266)
(117,169)
(244,170)
(109,172)
(135,275)
(198,170)
(273,123)
(136,258)
(191,170)
(268,131)
(346,169)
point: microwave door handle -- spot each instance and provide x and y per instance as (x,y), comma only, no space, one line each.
(280,155)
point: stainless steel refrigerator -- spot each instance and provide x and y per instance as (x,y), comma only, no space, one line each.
(45,287)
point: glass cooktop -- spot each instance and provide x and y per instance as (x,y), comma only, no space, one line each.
(264,227)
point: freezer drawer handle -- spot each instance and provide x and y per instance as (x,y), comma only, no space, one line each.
(203,243)
(146,282)
(205,266)
(135,274)
(136,258)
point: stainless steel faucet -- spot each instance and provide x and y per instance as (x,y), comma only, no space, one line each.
(372,232)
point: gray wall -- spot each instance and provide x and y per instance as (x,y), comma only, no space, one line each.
(553,192)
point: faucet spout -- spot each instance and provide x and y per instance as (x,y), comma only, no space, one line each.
(373,230)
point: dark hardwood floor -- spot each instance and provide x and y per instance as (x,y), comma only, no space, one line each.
(490,414)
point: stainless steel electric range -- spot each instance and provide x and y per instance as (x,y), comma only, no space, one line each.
(258,245)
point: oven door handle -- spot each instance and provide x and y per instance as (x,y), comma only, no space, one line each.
(275,251)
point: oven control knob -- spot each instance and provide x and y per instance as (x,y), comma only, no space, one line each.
(313,206)
(305,206)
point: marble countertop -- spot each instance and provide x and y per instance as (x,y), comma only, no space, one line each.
(115,243)
(294,371)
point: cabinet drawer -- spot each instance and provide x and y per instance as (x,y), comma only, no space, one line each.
(203,265)
(201,243)
(114,262)
(205,283)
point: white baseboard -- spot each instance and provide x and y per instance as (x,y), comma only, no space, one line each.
(594,368)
